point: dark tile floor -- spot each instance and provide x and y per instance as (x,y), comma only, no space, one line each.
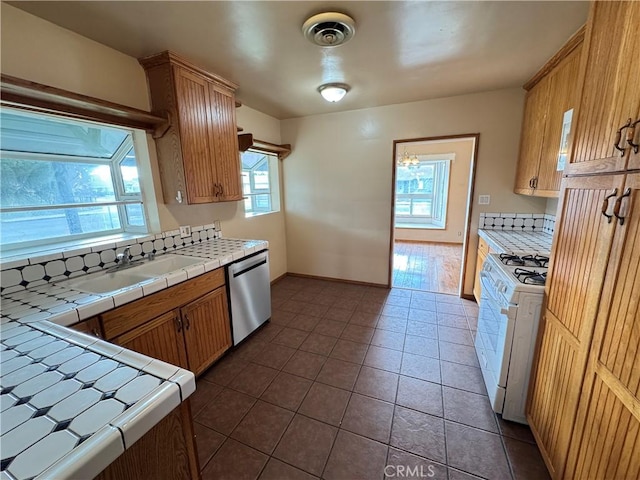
(352,382)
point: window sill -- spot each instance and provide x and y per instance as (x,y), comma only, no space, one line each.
(60,247)
(260,214)
(413,226)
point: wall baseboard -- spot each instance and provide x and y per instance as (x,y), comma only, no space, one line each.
(331,279)
(277,279)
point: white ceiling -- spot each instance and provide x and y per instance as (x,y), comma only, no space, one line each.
(402,51)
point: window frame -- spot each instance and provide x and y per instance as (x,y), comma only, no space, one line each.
(437,218)
(122,199)
(272,161)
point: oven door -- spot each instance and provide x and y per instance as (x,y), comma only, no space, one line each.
(494,337)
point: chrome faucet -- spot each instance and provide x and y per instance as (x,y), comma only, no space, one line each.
(124,258)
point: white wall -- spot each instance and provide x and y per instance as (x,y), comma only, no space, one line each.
(37,50)
(338,178)
(458,192)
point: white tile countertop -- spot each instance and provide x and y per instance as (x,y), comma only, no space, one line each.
(63,305)
(508,241)
(70,403)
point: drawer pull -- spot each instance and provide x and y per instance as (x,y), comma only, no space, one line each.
(605,205)
(187,322)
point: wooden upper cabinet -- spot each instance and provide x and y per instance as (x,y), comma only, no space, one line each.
(550,94)
(533,124)
(198,155)
(611,90)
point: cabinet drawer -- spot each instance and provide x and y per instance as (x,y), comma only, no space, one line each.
(122,319)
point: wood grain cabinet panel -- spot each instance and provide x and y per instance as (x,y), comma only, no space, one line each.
(606,440)
(159,338)
(611,92)
(580,255)
(483,251)
(207,329)
(545,105)
(198,155)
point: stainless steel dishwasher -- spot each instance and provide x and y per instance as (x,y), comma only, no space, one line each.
(249,293)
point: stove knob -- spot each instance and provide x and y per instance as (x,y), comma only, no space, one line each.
(503,288)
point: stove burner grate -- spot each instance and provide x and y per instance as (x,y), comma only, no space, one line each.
(509,259)
(530,277)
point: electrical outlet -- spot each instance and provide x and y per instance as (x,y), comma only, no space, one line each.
(484,199)
(185,231)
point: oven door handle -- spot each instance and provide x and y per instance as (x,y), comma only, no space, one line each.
(486,286)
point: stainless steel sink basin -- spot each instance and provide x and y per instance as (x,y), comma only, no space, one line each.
(104,282)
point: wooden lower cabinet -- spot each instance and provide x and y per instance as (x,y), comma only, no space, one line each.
(160,338)
(584,403)
(606,440)
(166,452)
(579,259)
(207,329)
(483,251)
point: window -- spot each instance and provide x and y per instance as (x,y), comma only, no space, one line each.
(64,179)
(421,193)
(260,183)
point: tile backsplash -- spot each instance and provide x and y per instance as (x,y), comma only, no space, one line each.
(20,274)
(522,222)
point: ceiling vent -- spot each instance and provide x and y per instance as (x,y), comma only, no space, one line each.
(329,29)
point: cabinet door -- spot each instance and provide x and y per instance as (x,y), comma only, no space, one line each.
(532,136)
(207,329)
(224,137)
(562,97)
(160,338)
(197,150)
(606,440)
(610,94)
(91,326)
(579,259)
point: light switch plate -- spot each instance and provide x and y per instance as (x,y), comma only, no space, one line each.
(185,231)
(484,199)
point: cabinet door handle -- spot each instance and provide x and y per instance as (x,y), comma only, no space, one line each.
(618,204)
(531,182)
(617,146)
(179,324)
(221,190)
(605,205)
(187,323)
(631,134)
(96,333)
(535,182)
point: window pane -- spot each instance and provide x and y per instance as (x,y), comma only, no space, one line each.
(51,224)
(28,132)
(135,215)
(33,182)
(251,159)
(129,172)
(421,207)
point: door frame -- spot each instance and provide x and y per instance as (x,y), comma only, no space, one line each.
(472,176)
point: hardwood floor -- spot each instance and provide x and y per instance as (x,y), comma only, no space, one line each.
(433,267)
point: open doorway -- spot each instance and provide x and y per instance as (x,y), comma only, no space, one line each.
(431,212)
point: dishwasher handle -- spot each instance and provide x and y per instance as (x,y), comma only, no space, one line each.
(245,267)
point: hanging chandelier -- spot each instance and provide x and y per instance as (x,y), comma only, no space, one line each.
(408,160)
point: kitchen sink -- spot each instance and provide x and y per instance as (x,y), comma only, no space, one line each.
(115,279)
(164,264)
(103,282)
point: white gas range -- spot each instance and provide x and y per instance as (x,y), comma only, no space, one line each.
(510,308)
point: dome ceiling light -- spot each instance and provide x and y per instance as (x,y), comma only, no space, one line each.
(329,29)
(333,92)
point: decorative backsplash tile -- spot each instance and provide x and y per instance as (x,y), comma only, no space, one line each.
(523,222)
(28,273)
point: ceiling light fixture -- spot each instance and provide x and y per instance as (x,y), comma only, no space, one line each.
(408,160)
(333,92)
